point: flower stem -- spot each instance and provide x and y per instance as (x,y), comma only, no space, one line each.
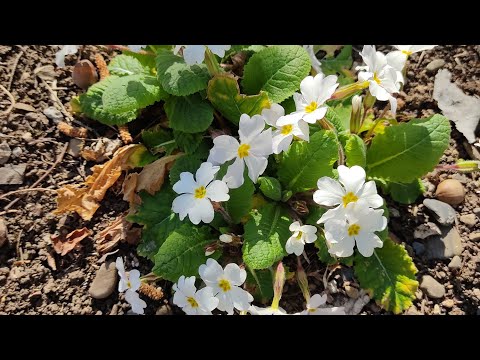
(212,64)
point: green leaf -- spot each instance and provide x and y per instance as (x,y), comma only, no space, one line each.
(190,114)
(335,65)
(224,94)
(159,140)
(188,143)
(407,151)
(389,276)
(123,65)
(355,151)
(259,283)
(266,234)
(132,92)
(91,104)
(289,105)
(277,70)
(315,213)
(323,254)
(336,120)
(304,163)
(189,163)
(270,187)
(183,252)
(406,193)
(178,78)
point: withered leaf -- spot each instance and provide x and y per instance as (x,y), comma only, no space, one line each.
(128,189)
(119,230)
(152,176)
(64,244)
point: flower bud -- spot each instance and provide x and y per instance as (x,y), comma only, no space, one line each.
(226,238)
(303,281)
(356,117)
(278,285)
(467,165)
(210,249)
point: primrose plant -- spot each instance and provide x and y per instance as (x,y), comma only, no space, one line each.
(264,158)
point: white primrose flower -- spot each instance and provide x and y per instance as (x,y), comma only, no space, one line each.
(225,284)
(196,195)
(357,225)
(350,188)
(253,150)
(195,54)
(256,310)
(314,307)
(283,136)
(302,234)
(131,283)
(193,302)
(310,103)
(136,48)
(399,57)
(64,51)
(384,80)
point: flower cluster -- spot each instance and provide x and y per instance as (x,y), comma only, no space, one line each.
(354,219)
(130,282)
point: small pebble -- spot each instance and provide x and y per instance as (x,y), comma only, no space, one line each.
(432,287)
(434,65)
(456,263)
(469,219)
(475,236)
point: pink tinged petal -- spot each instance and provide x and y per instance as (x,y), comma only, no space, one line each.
(281,143)
(329,192)
(308,87)
(219,49)
(218,191)
(182,204)
(206,173)
(234,176)
(194,54)
(295,226)
(186,184)
(210,272)
(202,210)
(318,114)
(250,127)
(241,298)
(369,194)
(317,300)
(233,274)
(134,277)
(366,242)
(135,302)
(352,178)
(261,145)
(291,118)
(301,130)
(224,149)
(397,60)
(205,299)
(272,114)
(256,166)
(294,246)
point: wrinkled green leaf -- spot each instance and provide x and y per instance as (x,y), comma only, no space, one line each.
(190,114)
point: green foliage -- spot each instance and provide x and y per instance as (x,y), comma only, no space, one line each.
(339,65)
(266,234)
(289,105)
(270,187)
(335,119)
(277,70)
(131,64)
(224,94)
(190,114)
(259,283)
(159,140)
(178,78)
(355,151)
(408,151)
(183,252)
(241,199)
(403,193)
(188,143)
(389,276)
(189,163)
(323,254)
(304,163)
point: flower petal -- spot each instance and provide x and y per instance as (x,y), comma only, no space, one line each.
(186,184)
(291,118)
(219,49)
(224,149)
(250,127)
(317,300)
(134,277)
(261,145)
(295,226)
(194,54)
(352,178)
(225,302)
(217,191)
(202,210)
(272,114)
(210,272)
(329,192)
(182,204)
(135,302)
(234,176)
(369,193)
(234,274)
(241,299)
(309,89)
(366,242)
(205,299)
(120,267)
(318,114)
(397,60)
(281,142)
(206,173)
(256,166)
(294,246)
(301,130)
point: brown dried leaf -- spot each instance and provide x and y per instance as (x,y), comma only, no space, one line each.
(101,150)
(46,72)
(119,230)
(152,176)
(51,261)
(64,244)
(84,198)
(128,189)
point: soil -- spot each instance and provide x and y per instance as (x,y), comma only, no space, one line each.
(29,284)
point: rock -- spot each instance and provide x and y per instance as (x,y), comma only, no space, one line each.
(444,213)
(434,65)
(53,114)
(425,230)
(394,212)
(164,310)
(432,287)
(444,246)
(449,303)
(75,146)
(419,248)
(412,310)
(12,174)
(114,310)
(352,292)
(5,152)
(475,236)
(17,151)
(436,310)
(105,281)
(3,232)
(476,211)
(469,219)
(456,263)
(476,292)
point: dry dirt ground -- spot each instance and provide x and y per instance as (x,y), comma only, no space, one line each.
(35,280)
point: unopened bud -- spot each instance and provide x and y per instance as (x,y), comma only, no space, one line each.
(210,249)
(467,165)
(278,285)
(302,280)
(368,101)
(356,117)
(226,238)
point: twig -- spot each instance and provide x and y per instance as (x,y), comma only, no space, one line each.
(12,99)
(420,59)
(15,64)
(25,190)
(59,160)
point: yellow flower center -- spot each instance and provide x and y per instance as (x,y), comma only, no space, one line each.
(311,107)
(406,52)
(224,285)
(129,284)
(353,229)
(200,192)
(375,77)
(299,236)
(193,303)
(286,129)
(243,150)
(348,198)
(312,310)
